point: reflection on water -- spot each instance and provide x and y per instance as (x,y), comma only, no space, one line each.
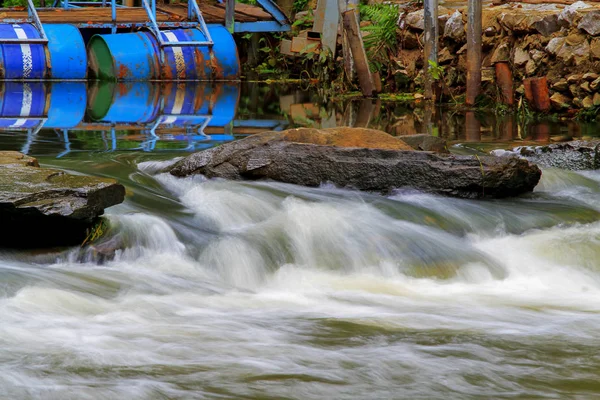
(55,119)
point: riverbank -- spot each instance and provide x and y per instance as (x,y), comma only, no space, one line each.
(553,41)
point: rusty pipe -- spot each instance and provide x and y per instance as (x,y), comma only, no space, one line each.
(473,51)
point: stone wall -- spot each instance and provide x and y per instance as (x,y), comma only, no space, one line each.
(561,42)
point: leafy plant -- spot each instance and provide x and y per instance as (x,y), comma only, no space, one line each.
(435,70)
(299,5)
(19,3)
(381,42)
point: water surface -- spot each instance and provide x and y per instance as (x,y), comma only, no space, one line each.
(262,290)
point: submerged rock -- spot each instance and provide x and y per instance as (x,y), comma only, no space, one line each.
(425,143)
(42,207)
(575,155)
(363,165)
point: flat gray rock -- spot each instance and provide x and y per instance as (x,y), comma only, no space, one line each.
(42,207)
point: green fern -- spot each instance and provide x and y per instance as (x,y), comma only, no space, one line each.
(382,41)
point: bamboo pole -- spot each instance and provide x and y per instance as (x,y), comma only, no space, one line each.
(473,51)
(430,8)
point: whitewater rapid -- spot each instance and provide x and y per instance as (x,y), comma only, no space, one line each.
(266,290)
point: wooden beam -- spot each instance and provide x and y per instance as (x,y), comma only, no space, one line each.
(357,47)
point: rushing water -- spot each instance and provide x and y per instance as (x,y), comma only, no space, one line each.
(215,289)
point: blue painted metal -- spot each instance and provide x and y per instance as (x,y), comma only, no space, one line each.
(137,56)
(274,10)
(67,105)
(223,58)
(260,26)
(133,57)
(22,105)
(21,61)
(68,55)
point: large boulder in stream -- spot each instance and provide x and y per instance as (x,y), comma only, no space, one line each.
(42,207)
(359,158)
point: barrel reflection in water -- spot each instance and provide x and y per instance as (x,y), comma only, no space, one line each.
(111,112)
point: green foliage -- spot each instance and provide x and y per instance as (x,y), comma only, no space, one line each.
(381,43)
(300,5)
(251,2)
(19,3)
(305,22)
(589,114)
(435,70)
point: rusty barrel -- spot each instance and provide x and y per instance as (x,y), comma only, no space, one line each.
(64,57)
(138,57)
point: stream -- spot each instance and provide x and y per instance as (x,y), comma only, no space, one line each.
(264,290)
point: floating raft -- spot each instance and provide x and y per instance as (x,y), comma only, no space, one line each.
(179,42)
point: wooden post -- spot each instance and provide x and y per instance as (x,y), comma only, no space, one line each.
(230,15)
(473,51)
(431,38)
(357,47)
(346,5)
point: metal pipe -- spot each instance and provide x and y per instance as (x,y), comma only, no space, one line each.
(113,14)
(431,37)
(473,51)
(230,15)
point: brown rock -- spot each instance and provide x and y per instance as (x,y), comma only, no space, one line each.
(588,102)
(595,48)
(562,85)
(560,101)
(596,99)
(344,137)
(586,87)
(501,53)
(15,158)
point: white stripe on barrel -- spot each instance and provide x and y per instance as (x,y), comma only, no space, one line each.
(178,53)
(26,50)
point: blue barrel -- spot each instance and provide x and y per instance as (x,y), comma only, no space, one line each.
(67,105)
(137,56)
(21,61)
(22,104)
(132,103)
(222,59)
(68,55)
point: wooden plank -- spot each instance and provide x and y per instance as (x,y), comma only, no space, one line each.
(249,11)
(357,47)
